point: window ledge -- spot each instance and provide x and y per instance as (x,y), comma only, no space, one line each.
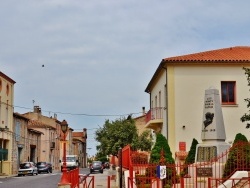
(229,105)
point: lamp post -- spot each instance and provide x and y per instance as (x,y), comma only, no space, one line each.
(64,179)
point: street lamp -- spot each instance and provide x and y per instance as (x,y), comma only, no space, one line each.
(64,178)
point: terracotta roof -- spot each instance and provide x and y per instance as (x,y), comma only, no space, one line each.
(7,78)
(237,53)
(38,124)
(232,55)
(77,134)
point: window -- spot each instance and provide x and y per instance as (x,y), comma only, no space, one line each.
(228,92)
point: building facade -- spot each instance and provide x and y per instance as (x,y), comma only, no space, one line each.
(26,142)
(177,91)
(50,137)
(6,121)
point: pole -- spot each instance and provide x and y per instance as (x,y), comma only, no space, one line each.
(65,178)
(120,168)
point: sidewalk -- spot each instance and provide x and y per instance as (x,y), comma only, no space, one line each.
(101,180)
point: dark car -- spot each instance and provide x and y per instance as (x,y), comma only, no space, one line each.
(96,166)
(44,167)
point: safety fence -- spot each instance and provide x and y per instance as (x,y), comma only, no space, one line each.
(226,170)
(73,177)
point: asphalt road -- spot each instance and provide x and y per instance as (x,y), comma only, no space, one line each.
(43,180)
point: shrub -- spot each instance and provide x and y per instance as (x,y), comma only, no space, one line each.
(238,157)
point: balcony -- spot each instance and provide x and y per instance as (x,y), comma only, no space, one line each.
(52,145)
(154,119)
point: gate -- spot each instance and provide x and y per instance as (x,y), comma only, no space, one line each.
(230,169)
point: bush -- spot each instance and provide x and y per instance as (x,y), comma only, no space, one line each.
(238,157)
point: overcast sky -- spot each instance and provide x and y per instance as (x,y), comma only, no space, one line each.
(99,55)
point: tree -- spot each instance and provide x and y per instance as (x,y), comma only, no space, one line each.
(246,116)
(190,159)
(119,133)
(191,154)
(161,143)
(145,141)
(238,157)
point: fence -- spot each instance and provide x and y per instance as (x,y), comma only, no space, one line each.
(229,168)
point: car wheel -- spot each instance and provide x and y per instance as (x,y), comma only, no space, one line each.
(51,171)
(32,173)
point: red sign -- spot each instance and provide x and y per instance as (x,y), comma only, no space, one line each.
(182,146)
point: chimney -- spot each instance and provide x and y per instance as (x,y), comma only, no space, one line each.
(37,109)
(143,110)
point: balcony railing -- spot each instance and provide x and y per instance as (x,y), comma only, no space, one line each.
(154,113)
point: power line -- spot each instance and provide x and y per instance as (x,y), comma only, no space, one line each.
(77,114)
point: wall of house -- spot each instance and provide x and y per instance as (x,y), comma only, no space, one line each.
(6,120)
(159,87)
(189,88)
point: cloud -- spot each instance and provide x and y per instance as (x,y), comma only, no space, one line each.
(100,55)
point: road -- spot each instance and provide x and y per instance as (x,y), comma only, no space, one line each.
(45,180)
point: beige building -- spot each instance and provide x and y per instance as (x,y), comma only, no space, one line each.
(177,91)
(80,143)
(6,122)
(140,122)
(50,138)
(26,142)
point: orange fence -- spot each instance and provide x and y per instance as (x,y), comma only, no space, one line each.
(203,174)
(73,177)
(87,181)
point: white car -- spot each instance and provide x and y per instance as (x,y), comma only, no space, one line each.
(27,168)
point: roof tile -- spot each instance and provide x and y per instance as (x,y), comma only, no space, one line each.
(237,53)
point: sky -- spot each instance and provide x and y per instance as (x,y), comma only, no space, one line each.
(89,61)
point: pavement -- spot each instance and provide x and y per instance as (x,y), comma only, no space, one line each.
(102,182)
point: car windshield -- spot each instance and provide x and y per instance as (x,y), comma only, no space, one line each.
(41,164)
(70,159)
(25,165)
(97,163)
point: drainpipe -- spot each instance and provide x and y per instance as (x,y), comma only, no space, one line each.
(166,108)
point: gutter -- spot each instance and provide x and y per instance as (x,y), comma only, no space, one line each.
(166,91)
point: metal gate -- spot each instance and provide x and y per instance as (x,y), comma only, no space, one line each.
(230,169)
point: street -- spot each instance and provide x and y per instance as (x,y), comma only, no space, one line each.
(45,180)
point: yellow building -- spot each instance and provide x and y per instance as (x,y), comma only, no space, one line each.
(6,122)
(177,91)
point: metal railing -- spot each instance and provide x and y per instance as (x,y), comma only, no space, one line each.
(154,113)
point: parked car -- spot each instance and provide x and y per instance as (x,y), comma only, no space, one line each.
(27,168)
(44,167)
(96,166)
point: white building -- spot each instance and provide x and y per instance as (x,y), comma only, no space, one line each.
(177,91)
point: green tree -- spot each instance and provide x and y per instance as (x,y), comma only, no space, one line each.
(238,157)
(190,159)
(191,154)
(145,141)
(246,116)
(161,143)
(119,133)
